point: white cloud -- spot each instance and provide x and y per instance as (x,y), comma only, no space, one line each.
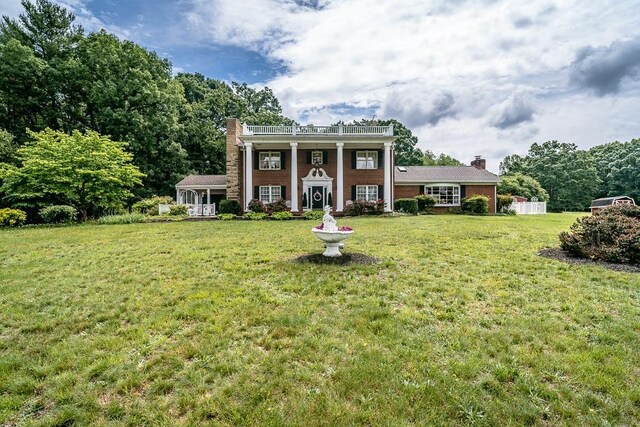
(471,77)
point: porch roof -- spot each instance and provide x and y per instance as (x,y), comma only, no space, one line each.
(203,181)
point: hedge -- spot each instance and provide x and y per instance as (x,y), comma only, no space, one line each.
(409,206)
(475,204)
(58,214)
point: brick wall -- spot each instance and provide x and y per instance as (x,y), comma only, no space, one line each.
(351,176)
(483,190)
(408,191)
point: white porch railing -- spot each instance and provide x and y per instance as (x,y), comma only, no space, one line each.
(529,208)
(201,209)
(318,130)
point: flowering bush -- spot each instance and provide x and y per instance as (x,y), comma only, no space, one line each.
(343,228)
(279,205)
(257,206)
(12,217)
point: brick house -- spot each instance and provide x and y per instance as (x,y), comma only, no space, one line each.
(312,166)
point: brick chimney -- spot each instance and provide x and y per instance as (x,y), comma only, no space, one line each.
(479,163)
(234,172)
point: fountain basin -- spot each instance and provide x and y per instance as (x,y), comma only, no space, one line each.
(332,240)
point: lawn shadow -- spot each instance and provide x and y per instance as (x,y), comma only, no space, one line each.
(345,259)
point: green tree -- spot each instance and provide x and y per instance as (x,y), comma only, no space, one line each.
(566,173)
(131,95)
(618,166)
(430,159)
(518,184)
(39,68)
(7,147)
(87,171)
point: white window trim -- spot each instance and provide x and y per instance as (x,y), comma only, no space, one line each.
(366,154)
(445,184)
(262,154)
(367,192)
(315,153)
(270,189)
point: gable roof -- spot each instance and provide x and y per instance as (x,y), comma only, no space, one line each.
(608,201)
(203,180)
(444,174)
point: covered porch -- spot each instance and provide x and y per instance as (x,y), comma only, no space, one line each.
(201,193)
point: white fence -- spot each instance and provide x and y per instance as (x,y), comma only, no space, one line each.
(529,208)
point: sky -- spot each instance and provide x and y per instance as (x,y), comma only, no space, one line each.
(468,77)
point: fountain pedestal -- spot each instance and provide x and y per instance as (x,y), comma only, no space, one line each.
(330,234)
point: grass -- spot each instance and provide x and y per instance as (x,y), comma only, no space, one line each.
(201,323)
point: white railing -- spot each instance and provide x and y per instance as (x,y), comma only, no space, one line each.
(529,208)
(318,130)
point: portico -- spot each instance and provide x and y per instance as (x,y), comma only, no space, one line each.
(350,163)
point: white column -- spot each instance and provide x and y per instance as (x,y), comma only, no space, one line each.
(387,177)
(209,201)
(294,176)
(340,178)
(248,174)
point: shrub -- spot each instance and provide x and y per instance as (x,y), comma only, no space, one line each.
(425,203)
(282,215)
(360,207)
(279,205)
(475,204)
(58,214)
(177,210)
(226,216)
(611,234)
(256,205)
(12,217)
(504,202)
(122,219)
(228,206)
(150,206)
(409,206)
(314,215)
(255,215)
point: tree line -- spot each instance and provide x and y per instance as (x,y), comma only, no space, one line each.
(572,177)
(53,75)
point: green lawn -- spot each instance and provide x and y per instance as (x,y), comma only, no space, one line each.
(211,323)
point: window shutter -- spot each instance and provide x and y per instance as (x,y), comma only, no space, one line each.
(353,160)
(380,192)
(256,160)
(463,192)
(325,157)
(308,157)
(256,192)
(283,192)
(283,157)
(423,189)
(353,193)
(381,159)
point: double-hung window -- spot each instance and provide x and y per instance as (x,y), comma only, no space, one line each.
(270,193)
(269,160)
(316,157)
(445,194)
(368,193)
(366,160)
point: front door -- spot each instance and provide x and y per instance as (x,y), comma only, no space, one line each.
(317,197)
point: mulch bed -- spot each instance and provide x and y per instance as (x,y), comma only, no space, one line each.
(560,255)
(345,259)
